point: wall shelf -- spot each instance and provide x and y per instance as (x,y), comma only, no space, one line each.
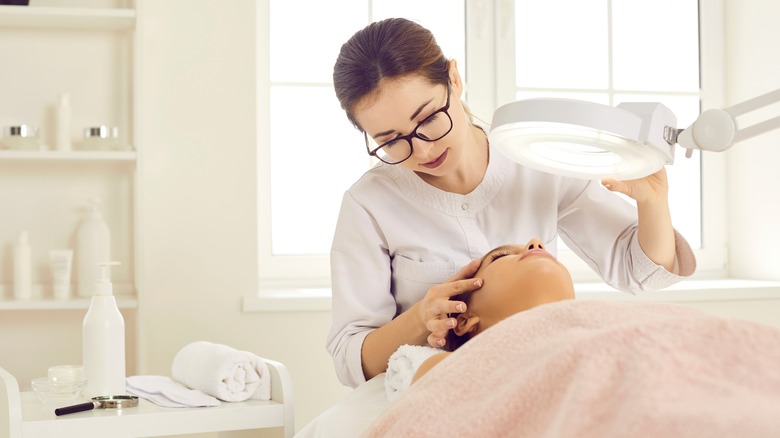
(66,18)
(67,155)
(123,302)
(124,294)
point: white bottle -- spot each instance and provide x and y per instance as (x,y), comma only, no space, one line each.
(22,267)
(103,337)
(62,138)
(93,245)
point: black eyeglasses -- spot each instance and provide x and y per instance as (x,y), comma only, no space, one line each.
(399,149)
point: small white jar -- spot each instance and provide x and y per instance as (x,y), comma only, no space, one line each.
(21,137)
(101,138)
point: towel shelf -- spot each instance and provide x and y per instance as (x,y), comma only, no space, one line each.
(26,414)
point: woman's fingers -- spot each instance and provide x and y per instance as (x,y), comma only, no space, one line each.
(440,326)
(436,341)
(448,290)
(647,189)
(438,305)
(439,329)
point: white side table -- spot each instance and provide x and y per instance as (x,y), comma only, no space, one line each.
(28,417)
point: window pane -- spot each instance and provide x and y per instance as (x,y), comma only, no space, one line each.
(656,45)
(445,18)
(561,43)
(313,166)
(316,156)
(304,45)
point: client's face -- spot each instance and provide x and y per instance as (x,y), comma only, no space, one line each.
(517,278)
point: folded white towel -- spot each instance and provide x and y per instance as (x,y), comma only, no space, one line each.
(164,391)
(402,366)
(223,372)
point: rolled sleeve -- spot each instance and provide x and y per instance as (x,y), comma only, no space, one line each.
(651,276)
(602,229)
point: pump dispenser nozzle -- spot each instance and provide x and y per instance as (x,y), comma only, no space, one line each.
(103,285)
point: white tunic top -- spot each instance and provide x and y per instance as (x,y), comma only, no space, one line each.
(397,236)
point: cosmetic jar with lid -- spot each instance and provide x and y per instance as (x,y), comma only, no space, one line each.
(101,138)
(20,137)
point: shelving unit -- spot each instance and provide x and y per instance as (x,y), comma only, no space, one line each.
(110,31)
(86,48)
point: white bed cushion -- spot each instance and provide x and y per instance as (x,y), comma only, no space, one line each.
(351,416)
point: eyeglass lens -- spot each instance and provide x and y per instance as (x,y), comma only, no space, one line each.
(436,126)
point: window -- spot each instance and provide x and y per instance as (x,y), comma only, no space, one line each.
(309,152)
(611,52)
(608,51)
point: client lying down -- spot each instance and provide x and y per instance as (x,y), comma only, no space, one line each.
(530,360)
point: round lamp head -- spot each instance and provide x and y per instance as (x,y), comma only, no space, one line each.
(584,139)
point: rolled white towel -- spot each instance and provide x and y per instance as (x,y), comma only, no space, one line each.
(164,391)
(402,366)
(223,372)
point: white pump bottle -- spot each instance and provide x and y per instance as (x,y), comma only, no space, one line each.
(104,340)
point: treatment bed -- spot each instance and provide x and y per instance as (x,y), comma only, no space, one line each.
(584,368)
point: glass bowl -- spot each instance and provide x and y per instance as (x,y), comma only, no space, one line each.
(52,390)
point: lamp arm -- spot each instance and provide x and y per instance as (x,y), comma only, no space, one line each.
(751,105)
(758,128)
(754,103)
(716,129)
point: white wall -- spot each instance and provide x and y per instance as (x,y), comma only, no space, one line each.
(753,68)
(198,195)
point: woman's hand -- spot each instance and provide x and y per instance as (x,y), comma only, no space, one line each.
(648,190)
(434,308)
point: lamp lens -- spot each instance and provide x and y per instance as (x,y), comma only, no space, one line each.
(575,154)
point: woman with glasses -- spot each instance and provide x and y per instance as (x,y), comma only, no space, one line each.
(411,231)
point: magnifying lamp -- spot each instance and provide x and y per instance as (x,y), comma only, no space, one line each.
(632,140)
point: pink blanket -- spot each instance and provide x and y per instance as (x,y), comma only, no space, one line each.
(600,369)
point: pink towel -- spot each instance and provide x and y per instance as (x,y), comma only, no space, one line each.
(600,369)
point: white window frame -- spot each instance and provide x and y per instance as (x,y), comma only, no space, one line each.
(497,48)
(490,45)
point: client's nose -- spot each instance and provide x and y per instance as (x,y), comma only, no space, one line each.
(534,243)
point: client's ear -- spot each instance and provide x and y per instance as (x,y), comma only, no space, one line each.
(465,324)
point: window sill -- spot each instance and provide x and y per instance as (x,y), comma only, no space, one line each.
(319,299)
(727,289)
(289,300)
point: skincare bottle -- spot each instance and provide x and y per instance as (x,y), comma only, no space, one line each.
(22,267)
(103,336)
(60,261)
(62,138)
(93,245)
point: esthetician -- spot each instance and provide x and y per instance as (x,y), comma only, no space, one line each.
(411,231)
